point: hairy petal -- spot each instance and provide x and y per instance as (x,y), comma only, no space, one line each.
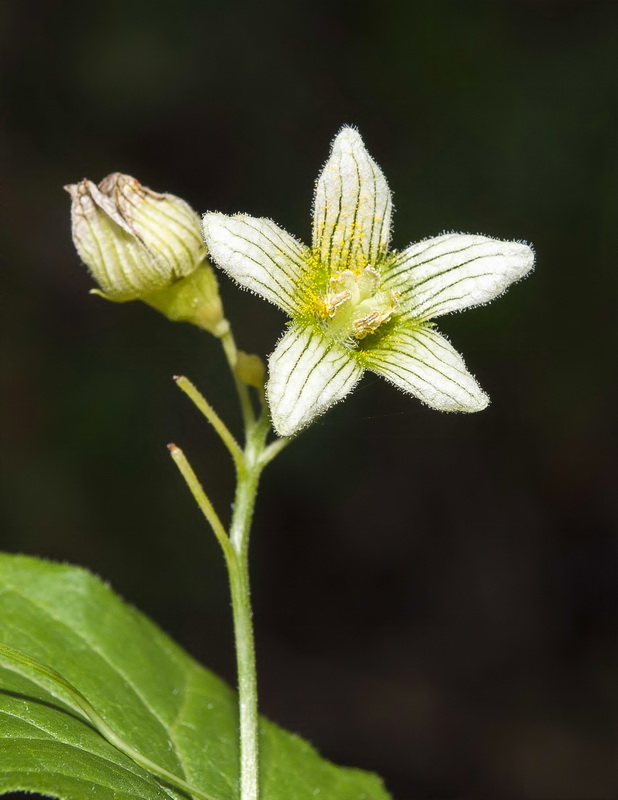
(259,255)
(352,206)
(455,271)
(165,224)
(421,362)
(118,259)
(308,374)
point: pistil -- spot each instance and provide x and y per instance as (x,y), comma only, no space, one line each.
(354,306)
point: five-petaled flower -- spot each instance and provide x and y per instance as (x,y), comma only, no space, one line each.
(356,305)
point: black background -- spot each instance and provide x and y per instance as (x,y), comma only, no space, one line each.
(435,595)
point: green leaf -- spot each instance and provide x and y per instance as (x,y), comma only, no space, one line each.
(96,671)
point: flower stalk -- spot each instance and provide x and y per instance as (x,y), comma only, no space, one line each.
(231,354)
(234,542)
(237,562)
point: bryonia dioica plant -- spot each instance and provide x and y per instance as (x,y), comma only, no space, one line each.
(95,700)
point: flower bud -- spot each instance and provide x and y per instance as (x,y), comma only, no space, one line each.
(142,245)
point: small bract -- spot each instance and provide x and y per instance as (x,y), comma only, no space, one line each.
(356,305)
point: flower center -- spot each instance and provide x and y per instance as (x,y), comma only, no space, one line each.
(354,306)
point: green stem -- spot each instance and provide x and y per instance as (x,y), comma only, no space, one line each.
(231,353)
(238,571)
(273,449)
(211,415)
(201,498)
(235,546)
(247,679)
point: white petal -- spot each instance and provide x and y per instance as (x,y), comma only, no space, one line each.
(166,224)
(420,361)
(260,255)
(308,374)
(352,206)
(455,271)
(119,261)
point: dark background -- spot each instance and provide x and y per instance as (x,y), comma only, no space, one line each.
(435,595)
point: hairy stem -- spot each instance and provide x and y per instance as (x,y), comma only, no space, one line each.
(200,497)
(238,570)
(231,354)
(211,415)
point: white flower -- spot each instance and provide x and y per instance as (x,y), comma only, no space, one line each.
(355,304)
